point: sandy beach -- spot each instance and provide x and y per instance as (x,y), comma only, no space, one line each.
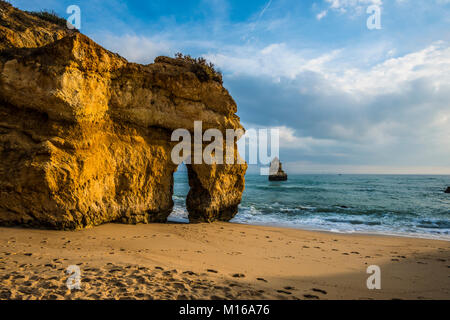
(218,261)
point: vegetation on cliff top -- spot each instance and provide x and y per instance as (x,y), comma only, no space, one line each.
(50,16)
(203,69)
(46,15)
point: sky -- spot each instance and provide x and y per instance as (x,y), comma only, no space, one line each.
(346,98)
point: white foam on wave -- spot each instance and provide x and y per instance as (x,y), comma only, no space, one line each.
(179,214)
(251,215)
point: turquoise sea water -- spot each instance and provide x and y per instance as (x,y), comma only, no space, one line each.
(386,204)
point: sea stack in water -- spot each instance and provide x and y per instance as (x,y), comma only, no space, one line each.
(448,190)
(85,136)
(276,172)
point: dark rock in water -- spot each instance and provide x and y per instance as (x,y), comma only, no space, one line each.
(278,177)
(448,190)
(276,172)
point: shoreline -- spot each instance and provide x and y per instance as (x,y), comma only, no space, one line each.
(367,233)
(218,261)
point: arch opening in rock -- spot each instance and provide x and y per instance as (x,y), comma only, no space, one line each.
(180,191)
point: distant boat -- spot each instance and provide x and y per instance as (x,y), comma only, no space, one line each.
(276,172)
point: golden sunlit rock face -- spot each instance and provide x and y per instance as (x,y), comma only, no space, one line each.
(85,136)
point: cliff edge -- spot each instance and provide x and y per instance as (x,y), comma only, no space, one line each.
(85,136)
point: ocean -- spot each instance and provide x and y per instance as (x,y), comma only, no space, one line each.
(405,205)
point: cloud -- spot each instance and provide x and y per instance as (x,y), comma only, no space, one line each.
(137,48)
(345,5)
(315,168)
(275,60)
(321,15)
(352,7)
(392,113)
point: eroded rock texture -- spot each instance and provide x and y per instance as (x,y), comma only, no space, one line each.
(85,136)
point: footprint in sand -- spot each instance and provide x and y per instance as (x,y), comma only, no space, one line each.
(310,296)
(261,279)
(238,275)
(283,291)
(319,290)
(212,271)
(171,272)
(289,288)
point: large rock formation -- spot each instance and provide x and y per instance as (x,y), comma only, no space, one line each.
(85,136)
(276,172)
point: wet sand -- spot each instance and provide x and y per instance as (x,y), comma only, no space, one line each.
(218,261)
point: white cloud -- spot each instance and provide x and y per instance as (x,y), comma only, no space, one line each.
(137,48)
(391,112)
(306,167)
(353,7)
(275,60)
(390,75)
(278,60)
(321,15)
(289,140)
(347,4)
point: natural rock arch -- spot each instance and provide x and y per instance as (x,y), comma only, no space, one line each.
(85,136)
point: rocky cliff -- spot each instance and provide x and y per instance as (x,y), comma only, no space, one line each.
(85,136)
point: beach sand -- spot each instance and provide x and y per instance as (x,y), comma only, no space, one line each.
(218,261)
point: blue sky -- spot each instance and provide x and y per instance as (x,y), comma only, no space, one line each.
(345,98)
